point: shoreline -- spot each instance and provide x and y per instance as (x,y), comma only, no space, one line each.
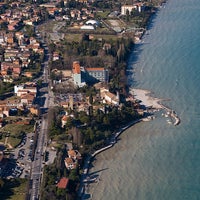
(151,104)
(84,177)
(155,103)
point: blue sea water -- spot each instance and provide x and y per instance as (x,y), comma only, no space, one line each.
(156,160)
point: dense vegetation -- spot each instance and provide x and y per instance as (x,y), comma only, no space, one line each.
(52,175)
(91,130)
(13,188)
(110,54)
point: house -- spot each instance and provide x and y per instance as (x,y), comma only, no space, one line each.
(73,158)
(10,38)
(63,183)
(56,56)
(1,122)
(64,120)
(69,163)
(28,88)
(27,99)
(74,154)
(4,111)
(109,97)
(35,110)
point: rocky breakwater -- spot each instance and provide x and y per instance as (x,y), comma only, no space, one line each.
(154,104)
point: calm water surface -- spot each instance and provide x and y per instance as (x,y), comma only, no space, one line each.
(156,160)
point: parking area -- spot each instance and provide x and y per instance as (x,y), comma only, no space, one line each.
(23,155)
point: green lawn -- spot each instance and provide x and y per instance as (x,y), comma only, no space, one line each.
(14,189)
(11,140)
(102,14)
(15,129)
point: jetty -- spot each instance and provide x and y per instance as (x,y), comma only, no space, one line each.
(172,114)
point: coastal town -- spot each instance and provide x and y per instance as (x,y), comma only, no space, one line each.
(63,91)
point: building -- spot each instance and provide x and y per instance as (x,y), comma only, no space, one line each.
(77,74)
(126,8)
(35,110)
(87,27)
(63,183)
(28,88)
(109,97)
(64,120)
(74,158)
(97,74)
(92,22)
(69,163)
(82,75)
(136,6)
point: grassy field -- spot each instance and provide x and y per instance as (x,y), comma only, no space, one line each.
(73,37)
(102,14)
(15,131)
(14,189)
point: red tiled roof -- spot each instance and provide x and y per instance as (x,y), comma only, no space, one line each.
(63,183)
(76,68)
(95,69)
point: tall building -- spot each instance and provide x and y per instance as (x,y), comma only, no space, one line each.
(77,74)
(82,75)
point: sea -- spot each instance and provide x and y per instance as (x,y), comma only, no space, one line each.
(156,160)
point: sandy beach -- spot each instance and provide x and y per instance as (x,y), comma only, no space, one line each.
(151,102)
(146,99)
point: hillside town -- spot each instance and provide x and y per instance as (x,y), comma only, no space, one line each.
(63,89)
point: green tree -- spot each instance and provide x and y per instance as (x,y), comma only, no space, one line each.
(1,183)
(91,99)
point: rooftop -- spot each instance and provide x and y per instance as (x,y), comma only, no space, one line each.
(63,183)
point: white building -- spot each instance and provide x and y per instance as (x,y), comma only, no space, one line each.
(87,27)
(136,6)
(18,87)
(92,22)
(109,97)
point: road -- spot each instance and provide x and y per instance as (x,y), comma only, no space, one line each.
(38,163)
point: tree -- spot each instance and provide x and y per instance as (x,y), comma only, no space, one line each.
(127,15)
(1,184)
(91,99)
(4,26)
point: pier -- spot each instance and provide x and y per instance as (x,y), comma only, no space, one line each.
(172,114)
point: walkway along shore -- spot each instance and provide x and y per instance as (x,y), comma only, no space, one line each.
(88,160)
